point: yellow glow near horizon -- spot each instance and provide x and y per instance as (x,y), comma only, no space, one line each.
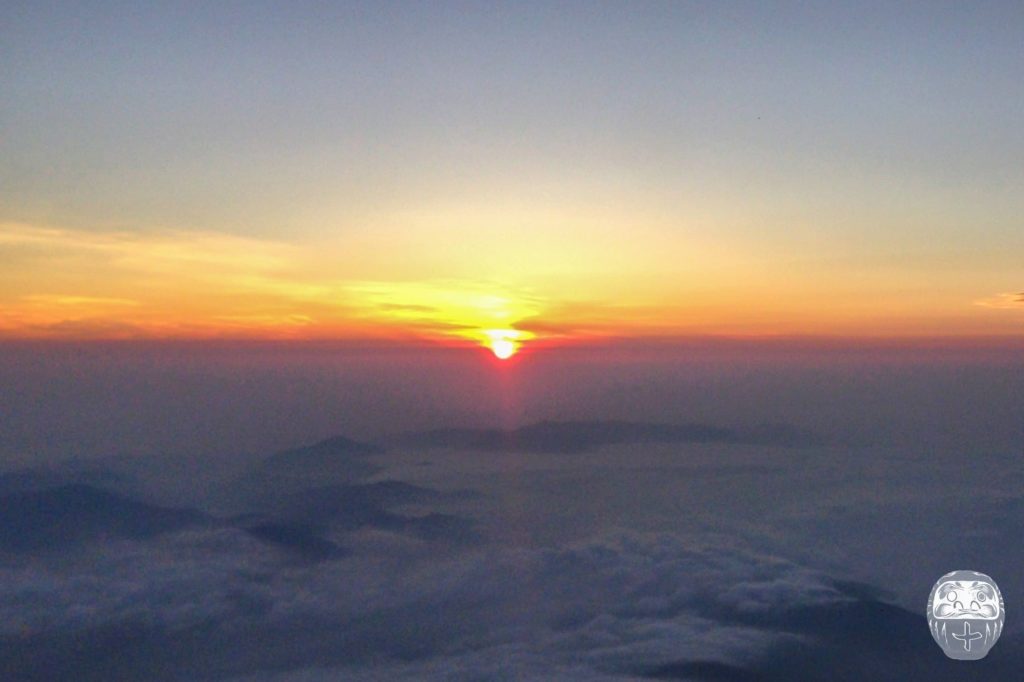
(95,284)
(454,309)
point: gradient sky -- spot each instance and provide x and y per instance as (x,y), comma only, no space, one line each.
(564,170)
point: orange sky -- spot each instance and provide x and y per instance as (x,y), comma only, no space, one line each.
(449,282)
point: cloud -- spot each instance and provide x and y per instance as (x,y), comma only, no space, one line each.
(140,284)
(200,284)
(611,606)
(218,603)
(79,301)
(456,308)
(1003,301)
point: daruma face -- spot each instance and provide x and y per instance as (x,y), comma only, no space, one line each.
(965,614)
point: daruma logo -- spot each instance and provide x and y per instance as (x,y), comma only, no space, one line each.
(965,614)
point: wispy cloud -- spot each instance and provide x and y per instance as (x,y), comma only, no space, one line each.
(173,284)
(1005,301)
(75,283)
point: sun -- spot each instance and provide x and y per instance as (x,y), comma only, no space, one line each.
(503,349)
(504,343)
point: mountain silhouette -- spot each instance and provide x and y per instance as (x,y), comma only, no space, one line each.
(298,539)
(337,460)
(350,507)
(71,514)
(324,453)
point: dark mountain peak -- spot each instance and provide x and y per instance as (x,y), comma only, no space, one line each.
(298,539)
(370,505)
(73,513)
(333,461)
(324,452)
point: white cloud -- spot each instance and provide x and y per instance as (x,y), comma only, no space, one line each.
(620,602)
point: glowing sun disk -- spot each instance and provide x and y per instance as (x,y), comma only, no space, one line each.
(503,349)
(504,343)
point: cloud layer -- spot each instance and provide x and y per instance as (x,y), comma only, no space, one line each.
(614,606)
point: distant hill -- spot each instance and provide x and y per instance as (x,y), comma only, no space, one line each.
(71,514)
(584,436)
(299,539)
(292,497)
(327,452)
(294,518)
(333,460)
(349,506)
(337,460)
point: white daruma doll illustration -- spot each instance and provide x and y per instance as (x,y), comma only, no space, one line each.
(965,614)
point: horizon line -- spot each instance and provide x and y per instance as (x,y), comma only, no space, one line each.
(610,343)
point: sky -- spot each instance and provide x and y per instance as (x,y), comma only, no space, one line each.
(508,174)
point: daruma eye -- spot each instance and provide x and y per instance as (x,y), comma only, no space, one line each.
(981,596)
(951,596)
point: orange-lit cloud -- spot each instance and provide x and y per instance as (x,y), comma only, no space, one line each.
(82,284)
(464,309)
(63,283)
(1004,301)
